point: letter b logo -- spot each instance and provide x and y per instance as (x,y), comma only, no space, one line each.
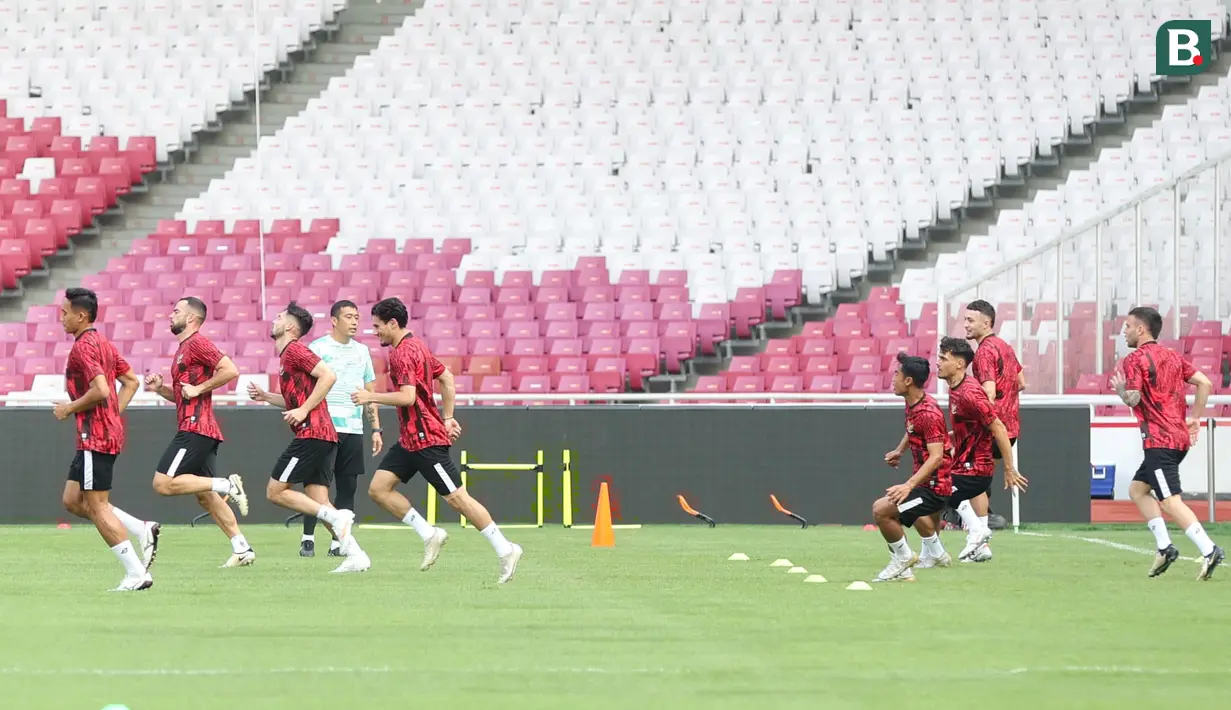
(1182,47)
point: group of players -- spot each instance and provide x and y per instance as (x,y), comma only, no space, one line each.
(954,467)
(324,389)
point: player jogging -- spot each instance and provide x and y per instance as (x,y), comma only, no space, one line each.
(189,465)
(424,439)
(998,371)
(917,502)
(975,427)
(352,363)
(1151,381)
(94,366)
(305,381)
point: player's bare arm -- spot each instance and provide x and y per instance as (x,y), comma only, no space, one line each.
(448,399)
(378,441)
(154,383)
(129,384)
(1021,381)
(1130,397)
(404,397)
(256,394)
(989,388)
(325,378)
(98,393)
(1204,387)
(223,373)
(1012,479)
(936,454)
(894,457)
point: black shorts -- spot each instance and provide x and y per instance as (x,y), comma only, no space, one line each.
(190,453)
(967,487)
(433,462)
(349,461)
(921,503)
(306,461)
(92,470)
(996,449)
(1161,470)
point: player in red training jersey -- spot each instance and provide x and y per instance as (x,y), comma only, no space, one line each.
(919,500)
(1152,381)
(189,465)
(997,369)
(424,439)
(94,366)
(975,427)
(308,460)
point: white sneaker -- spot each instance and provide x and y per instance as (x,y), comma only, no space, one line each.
(240,559)
(135,584)
(508,564)
(431,548)
(927,561)
(148,540)
(983,554)
(358,562)
(342,531)
(897,569)
(973,542)
(238,497)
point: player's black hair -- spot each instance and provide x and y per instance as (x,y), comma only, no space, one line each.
(1151,317)
(981,306)
(958,347)
(83,299)
(197,306)
(392,309)
(916,368)
(301,316)
(336,310)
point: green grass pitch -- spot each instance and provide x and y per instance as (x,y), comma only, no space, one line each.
(660,621)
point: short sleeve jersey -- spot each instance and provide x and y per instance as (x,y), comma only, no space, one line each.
(297,363)
(411,364)
(996,362)
(195,362)
(100,429)
(972,414)
(925,424)
(1160,375)
(352,363)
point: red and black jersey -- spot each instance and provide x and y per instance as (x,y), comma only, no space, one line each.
(100,429)
(972,414)
(295,368)
(925,424)
(195,362)
(996,362)
(1161,376)
(411,364)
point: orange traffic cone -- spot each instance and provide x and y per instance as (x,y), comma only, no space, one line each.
(604,536)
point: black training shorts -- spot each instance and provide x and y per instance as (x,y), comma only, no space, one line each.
(433,463)
(190,453)
(306,461)
(968,487)
(921,503)
(92,470)
(996,449)
(349,461)
(1161,470)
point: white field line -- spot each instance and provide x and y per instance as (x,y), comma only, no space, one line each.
(1105,543)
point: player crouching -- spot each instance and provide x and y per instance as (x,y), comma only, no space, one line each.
(918,502)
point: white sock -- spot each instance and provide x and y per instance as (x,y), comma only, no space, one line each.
(496,538)
(932,546)
(1159,528)
(308,538)
(983,521)
(221,486)
(133,566)
(969,519)
(1196,533)
(354,548)
(900,549)
(240,544)
(416,521)
(334,545)
(327,515)
(131,524)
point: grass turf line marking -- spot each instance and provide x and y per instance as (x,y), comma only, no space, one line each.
(340,670)
(1106,543)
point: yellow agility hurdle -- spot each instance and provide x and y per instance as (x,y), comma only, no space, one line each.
(467,467)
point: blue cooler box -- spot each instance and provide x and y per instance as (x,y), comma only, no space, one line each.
(1102,481)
